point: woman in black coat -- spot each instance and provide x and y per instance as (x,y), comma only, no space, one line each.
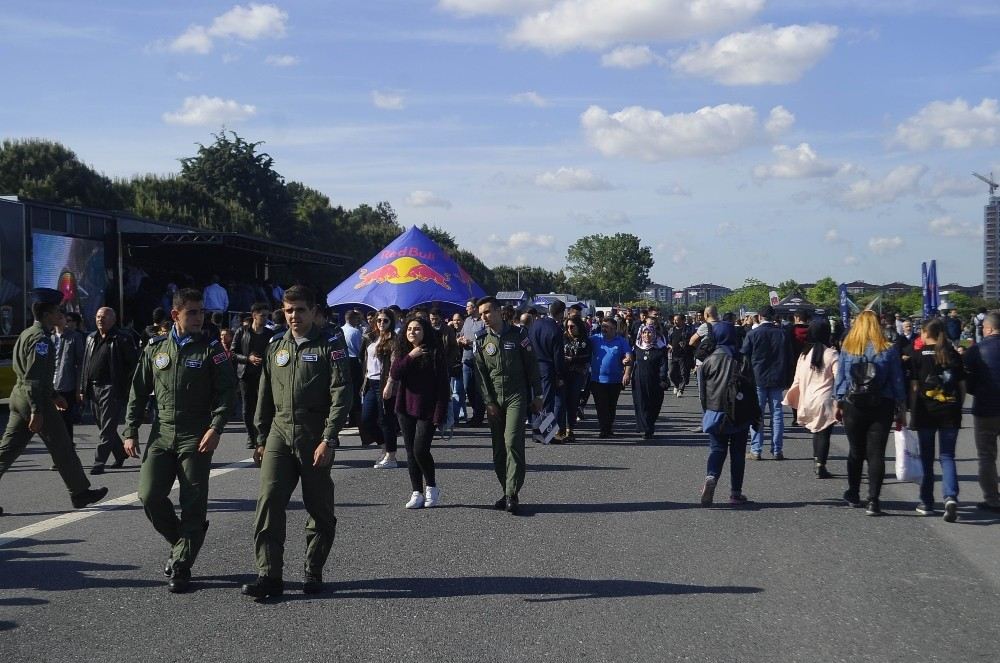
(649,379)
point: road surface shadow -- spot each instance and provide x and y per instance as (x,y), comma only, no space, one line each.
(55,571)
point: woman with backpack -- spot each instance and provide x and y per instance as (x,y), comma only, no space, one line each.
(729,399)
(811,392)
(649,379)
(870,394)
(937,390)
(419,378)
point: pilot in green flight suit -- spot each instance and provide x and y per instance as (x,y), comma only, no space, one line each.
(195,388)
(508,375)
(34,408)
(304,399)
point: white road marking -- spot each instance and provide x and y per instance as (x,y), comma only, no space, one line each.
(15,535)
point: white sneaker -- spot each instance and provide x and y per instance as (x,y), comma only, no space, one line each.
(432,496)
(416,501)
(386,464)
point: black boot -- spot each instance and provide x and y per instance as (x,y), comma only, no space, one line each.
(180,581)
(822,472)
(87,497)
(263,587)
(312,583)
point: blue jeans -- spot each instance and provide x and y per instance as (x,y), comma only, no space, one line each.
(378,421)
(472,389)
(769,397)
(552,398)
(947,438)
(458,404)
(733,442)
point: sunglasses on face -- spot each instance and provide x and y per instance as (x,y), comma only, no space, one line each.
(384,321)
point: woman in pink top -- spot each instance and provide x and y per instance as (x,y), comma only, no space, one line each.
(811,392)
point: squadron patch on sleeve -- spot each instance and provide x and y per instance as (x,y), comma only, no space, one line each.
(42,348)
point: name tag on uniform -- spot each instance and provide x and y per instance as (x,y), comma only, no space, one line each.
(310,357)
(192,363)
(508,345)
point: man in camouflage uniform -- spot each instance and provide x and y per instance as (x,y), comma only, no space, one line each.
(35,408)
(195,388)
(508,375)
(305,397)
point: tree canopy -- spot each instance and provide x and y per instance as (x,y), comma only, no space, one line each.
(608,267)
(753,295)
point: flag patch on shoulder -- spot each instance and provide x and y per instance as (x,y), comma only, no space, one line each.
(219,358)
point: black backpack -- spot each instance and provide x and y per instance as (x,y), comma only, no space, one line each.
(866,388)
(707,345)
(741,395)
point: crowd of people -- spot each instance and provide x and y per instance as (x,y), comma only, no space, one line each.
(303,374)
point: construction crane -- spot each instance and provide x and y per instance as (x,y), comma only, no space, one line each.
(989,180)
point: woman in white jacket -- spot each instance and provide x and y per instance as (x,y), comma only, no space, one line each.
(811,392)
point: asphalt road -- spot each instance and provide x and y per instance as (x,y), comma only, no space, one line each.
(613,559)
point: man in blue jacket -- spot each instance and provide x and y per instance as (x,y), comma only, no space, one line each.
(546,335)
(982,365)
(769,348)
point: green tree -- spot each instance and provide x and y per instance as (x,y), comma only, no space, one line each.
(910,303)
(45,170)
(786,288)
(753,295)
(825,293)
(174,199)
(533,280)
(608,267)
(231,169)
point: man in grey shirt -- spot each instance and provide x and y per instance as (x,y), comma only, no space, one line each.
(473,325)
(68,344)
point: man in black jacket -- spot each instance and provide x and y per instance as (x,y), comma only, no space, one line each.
(109,360)
(250,348)
(547,339)
(769,348)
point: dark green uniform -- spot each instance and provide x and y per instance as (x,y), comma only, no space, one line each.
(195,388)
(34,366)
(508,375)
(305,396)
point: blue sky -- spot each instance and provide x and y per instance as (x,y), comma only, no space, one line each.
(772,139)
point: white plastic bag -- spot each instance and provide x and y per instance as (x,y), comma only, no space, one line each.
(908,465)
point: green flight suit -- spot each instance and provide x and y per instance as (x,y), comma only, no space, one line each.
(195,388)
(305,396)
(508,375)
(34,365)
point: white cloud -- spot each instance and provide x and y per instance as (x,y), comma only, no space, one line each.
(206,111)
(281,60)
(832,236)
(882,245)
(674,189)
(680,255)
(851,260)
(521,240)
(510,7)
(945,226)
(530,98)
(572,179)
(795,163)
(726,228)
(601,219)
(779,121)
(388,100)
(629,57)
(427,199)
(866,193)
(193,40)
(641,133)
(951,125)
(244,23)
(596,24)
(762,56)
(955,187)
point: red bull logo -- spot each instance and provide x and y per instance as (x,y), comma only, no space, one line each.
(402,270)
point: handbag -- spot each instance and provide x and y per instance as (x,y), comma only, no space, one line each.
(908,465)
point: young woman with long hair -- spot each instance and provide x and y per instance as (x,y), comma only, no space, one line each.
(811,392)
(419,377)
(378,414)
(937,391)
(870,393)
(576,353)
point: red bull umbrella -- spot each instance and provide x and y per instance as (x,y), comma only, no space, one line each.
(410,271)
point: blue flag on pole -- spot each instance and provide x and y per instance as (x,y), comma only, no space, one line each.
(845,307)
(925,290)
(410,271)
(932,287)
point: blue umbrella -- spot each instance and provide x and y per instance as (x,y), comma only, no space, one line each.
(410,271)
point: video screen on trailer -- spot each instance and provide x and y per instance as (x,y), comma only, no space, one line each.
(74,267)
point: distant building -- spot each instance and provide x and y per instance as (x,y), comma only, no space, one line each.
(967,290)
(659,293)
(897,288)
(515,298)
(991,249)
(861,287)
(702,293)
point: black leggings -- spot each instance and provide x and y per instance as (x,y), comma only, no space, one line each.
(821,444)
(417,436)
(867,434)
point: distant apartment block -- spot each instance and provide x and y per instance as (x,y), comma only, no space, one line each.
(991,249)
(659,293)
(700,294)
